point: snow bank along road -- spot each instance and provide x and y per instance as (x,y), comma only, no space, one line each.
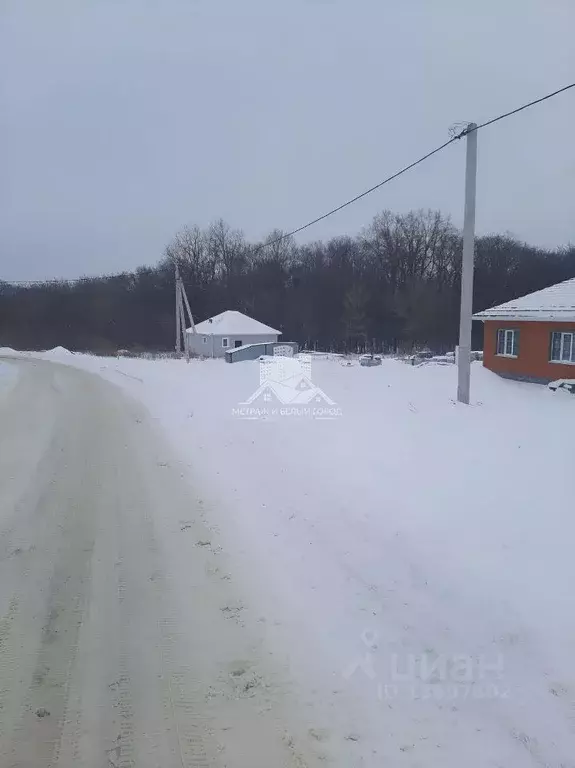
(117,646)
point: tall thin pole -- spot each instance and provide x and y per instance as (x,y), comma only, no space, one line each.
(178,315)
(182,317)
(464,353)
(187,303)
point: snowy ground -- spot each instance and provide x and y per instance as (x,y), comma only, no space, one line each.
(412,558)
(8,377)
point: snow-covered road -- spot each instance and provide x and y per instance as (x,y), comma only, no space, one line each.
(123,641)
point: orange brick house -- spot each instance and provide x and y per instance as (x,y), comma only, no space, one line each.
(533,337)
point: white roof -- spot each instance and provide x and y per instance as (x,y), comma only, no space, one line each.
(232,323)
(554,303)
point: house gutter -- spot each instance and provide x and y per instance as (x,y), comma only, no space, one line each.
(569,317)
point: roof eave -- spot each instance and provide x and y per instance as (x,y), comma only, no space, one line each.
(568,317)
(199,331)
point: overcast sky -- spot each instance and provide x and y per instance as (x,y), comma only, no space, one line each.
(123,120)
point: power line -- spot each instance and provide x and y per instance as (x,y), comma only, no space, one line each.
(353,199)
(412,165)
(519,109)
(358,197)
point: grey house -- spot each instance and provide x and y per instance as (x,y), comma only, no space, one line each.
(228,330)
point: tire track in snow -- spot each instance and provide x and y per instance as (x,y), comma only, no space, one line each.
(53,581)
(180,692)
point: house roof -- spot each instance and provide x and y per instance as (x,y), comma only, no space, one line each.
(554,303)
(232,323)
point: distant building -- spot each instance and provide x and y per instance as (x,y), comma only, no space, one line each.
(533,337)
(228,330)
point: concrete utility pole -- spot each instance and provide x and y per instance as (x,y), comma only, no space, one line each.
(465,322)
(178,315)
(181,328)
(182,318)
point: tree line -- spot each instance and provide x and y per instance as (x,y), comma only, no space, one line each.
(394,286)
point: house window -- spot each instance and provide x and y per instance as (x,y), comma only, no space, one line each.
(507,342)
(225,342)
(205,340)
(238,343)
(562,347)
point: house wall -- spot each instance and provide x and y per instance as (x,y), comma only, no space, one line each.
(533,362)
(213,346)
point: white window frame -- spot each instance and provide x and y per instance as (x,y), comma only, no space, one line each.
(225,342)
(512,333)
(562,345)
(204,340)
